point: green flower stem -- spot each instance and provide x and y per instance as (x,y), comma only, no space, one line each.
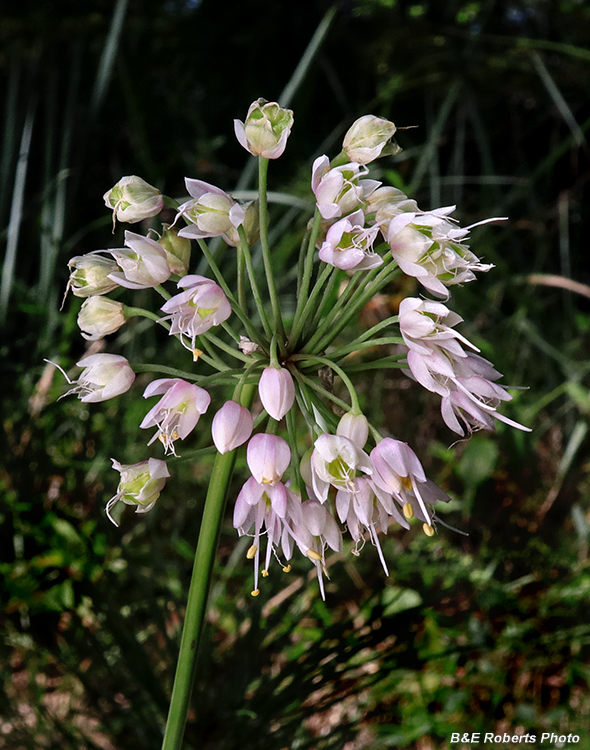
(351,287)
(163,292)
(324,392)
(170,202)
(359,345)
(226,347)
(303,288)
(241,279)
(384,363)
(301,403)
(355,407)
(252,332)
(199,591)
(172,371)
(263,209)
(226,327)
(245,248)
(358,300)
(378,327)
(211,357)
(333,281)
(309,305)
(292,437)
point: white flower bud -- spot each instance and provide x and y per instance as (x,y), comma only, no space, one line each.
(265,130)
(231,427)
(368,138)
(100,316)
(276,391)
(133,199)
(89,275)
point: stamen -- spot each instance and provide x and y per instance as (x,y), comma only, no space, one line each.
(428,529)
(313,555)
(196,354)
(255,592)
(264,573)
(251,553)
(408,511)
(287,569)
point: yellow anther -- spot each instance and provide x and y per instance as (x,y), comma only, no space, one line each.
(264,573)
(313,555)
(406,483)
(408,511)
(196,354)
(255,592)
(175,435)
(428,529)
(251,553)
(162,438)
(287,569)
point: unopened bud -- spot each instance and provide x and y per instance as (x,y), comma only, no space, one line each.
(368,138)
(89,275)
(177,249)
(277,391)
(265,130)
(231,427)
(100,316)
(133,199)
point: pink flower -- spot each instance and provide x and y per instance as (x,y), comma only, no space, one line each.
(277,391)
(211,211)
(349,244)
(268,457)
(232,426)
(194,311)
(176,414)
(143,263)
(335,461)
(339,191)
(104,376)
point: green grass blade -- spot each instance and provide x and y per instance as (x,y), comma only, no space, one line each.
(10,132)
(109,54)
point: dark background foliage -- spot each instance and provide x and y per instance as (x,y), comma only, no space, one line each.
(481,633)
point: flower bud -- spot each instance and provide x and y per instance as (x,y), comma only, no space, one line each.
(276,391)
(231,427)
(211,211)
(89,275)
(251,226)
(368,138)
(268,457)
(133,199)
(100,316)
(265,130)
(140,485)
(104,376)
(177,249)
(355,427)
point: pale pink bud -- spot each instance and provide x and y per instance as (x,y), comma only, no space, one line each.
(100,316)
(133,199)
(265,130)
(355,427)
(232,426)
(143,263)
(268,457)
(276,391)
(140,484)
(90,275)
(368,138)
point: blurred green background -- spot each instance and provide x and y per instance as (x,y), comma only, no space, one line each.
(488,632)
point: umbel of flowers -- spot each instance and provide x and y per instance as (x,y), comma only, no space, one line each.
(352,478)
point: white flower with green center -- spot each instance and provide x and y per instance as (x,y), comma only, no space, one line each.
(133,199)
(140,485)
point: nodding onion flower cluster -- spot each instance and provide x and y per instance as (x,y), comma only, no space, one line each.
(363,236)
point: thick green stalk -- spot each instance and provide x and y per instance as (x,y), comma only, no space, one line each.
(198,593)
(268,270)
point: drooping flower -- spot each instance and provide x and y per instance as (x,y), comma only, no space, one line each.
(427,325)
(265,130)
(211,211)
(268,457)
(200,306)
(133,199)
(104,376)
(176,414)
(142,264)
(339,191)
(334,462)
(368,138)
(100,316)
(140,485)
(277,391)
(90,275)
(231,427)
(431,247)
(349,244)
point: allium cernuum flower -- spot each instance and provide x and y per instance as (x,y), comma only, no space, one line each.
(368,138)
(349,244)
(334,461)
(212,212)
(100,316)
(177,249)
(142,263)
(339,191)
(265,130)
(104,376)
(200,306)
(90,275)
(140,485)
(231,427)
(268,457)
(133,199)
(176,414)
(276,391)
